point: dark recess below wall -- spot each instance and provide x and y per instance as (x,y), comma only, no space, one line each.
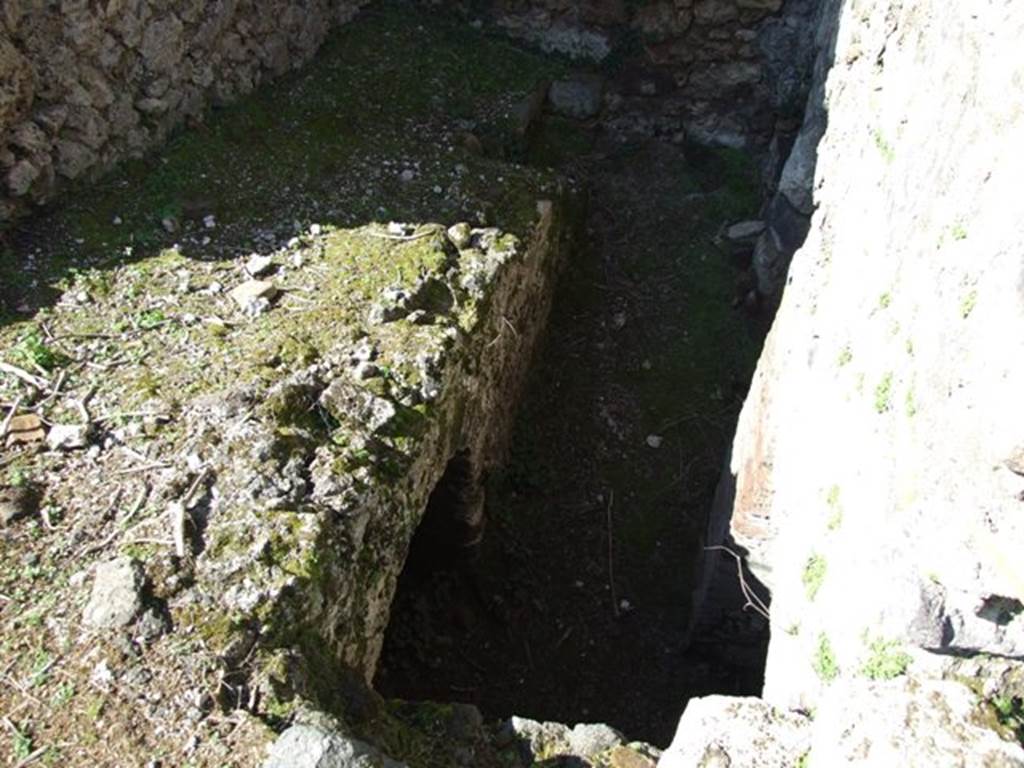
(646,347)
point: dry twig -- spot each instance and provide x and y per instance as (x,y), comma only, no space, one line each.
(28,378)
(178,512)
(10,415)
(385,236)
(753,601)
(611,555)
(33,757)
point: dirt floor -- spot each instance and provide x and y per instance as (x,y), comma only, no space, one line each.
(576,607)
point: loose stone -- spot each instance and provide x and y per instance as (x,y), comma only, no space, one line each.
(116,594)
(461,235)
(67,436)
(258,265)
(250,293)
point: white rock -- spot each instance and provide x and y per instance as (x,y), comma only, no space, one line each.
(745,231)
(67,436)
(655,441)
(731,731)
(587,740)
(249,293)
(306,746)
(102,676)
(116,597)
(909,723)
(461,235)
(259,265)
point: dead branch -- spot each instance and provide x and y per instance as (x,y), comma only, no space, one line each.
(178,511)
(10,415)
(28,378)
(611,554)
(753,601)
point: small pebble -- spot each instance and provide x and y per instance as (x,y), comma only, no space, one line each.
(461,235)
(67,436)
(259,265)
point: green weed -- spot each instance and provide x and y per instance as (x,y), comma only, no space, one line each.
(21,743)
(886,661)
(910,405)
(1010,713)
(814,575)
(968,303)
(824,662)
(33,351)
(883,394)
(883,146)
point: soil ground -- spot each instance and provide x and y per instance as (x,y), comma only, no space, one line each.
(577,606)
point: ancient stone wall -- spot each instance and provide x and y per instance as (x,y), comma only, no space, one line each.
(85,83)
(878,463)
(731,69)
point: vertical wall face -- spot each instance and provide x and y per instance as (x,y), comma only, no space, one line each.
(85,83)
(879,460)
(877,474)
(730,69)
